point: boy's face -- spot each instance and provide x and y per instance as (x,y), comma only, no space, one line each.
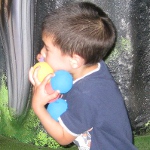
(53,55)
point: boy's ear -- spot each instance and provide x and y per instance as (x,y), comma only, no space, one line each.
(76,61)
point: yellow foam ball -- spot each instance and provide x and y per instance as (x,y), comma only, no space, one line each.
(44,70)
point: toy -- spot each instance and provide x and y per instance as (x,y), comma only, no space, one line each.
(57,108)
(62,81)
(44,70)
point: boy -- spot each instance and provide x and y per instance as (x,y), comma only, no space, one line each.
(76,39)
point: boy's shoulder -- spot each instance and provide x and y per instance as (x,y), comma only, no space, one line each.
(98,83)
(101,75)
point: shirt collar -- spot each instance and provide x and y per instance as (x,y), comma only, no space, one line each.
(98,68)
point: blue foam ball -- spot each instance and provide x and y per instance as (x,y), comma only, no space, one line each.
(62,81)
(57,108)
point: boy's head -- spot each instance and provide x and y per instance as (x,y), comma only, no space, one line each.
(81,28)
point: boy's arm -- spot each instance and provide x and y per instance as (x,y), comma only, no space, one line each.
(52,127)
(39,100)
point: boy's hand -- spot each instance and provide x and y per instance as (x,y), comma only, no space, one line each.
(39,100)
(40,96)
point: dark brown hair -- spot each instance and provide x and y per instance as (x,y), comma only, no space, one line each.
(81,28)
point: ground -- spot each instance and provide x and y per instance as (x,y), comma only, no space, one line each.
(141,142)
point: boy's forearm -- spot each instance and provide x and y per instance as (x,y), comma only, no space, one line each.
(53,127)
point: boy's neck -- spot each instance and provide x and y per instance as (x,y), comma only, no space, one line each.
(83,70)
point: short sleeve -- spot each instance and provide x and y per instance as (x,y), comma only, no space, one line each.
(79,116)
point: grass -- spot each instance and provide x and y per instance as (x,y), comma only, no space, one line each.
(12,144)
(141,142)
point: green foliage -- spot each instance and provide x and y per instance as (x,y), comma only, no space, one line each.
(43,139)
(25,129)
(5,119)
(122,44)
(147,127)
(143,130)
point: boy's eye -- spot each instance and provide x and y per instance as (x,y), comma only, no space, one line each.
(44,46)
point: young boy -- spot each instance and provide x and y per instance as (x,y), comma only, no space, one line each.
(76,39)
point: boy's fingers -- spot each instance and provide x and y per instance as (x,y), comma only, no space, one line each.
(31,75)
(54,95)
(47,78)
(35,76)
